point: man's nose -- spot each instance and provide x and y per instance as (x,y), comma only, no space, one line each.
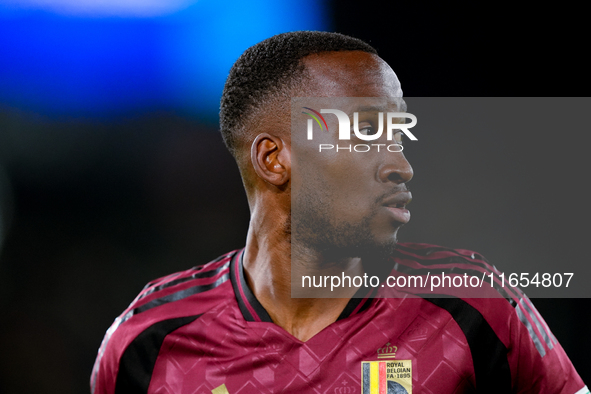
(397,170)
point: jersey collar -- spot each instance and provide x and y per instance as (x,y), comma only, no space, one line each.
(253,311)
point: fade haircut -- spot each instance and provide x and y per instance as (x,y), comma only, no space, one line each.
(269,69)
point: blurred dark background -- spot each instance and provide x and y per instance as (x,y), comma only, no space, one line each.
(112,171)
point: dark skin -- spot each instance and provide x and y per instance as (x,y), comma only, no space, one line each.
(267,261)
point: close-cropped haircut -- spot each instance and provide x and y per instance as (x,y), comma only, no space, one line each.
(270,68)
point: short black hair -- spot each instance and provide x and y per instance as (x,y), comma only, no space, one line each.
(269,68)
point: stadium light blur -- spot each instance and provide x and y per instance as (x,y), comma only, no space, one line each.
(105,58)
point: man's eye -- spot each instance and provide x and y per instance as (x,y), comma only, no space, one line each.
(399,137)
(368,130)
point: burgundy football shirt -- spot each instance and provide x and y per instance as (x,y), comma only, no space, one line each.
(203,331)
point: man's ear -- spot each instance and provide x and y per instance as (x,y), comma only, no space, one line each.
(271,159)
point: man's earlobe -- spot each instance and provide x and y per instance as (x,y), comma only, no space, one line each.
(271,159)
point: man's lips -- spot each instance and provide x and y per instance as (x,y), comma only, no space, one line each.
(396,204)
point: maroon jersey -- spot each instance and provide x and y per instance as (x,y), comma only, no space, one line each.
(203,331)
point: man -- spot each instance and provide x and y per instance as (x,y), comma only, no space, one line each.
(232,326)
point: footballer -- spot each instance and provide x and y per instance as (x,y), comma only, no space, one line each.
(231,326)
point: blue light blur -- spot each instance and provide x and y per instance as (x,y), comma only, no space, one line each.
(85,64)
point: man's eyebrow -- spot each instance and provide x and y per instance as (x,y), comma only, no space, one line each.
(379,108)
(371,108)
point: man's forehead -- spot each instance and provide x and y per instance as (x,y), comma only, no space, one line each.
(351,105)
(350,74)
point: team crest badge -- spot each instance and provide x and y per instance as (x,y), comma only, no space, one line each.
(387,376)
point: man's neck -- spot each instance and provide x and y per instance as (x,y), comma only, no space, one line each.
(268,271)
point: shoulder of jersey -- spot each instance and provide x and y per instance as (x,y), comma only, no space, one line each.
(511,344)
(199,283)
(187,293)
(505,313)
(433,260)
(500,304)
(175,299)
